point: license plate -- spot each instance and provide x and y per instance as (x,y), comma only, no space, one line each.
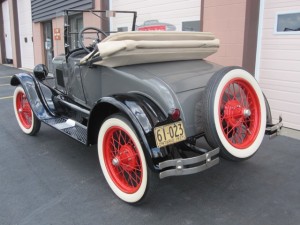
(169,134)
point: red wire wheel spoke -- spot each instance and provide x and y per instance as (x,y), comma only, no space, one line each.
(239,113)
(24,110)
(122,160)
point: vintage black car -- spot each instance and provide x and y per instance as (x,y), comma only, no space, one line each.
(145,99)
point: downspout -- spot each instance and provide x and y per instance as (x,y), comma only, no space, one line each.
(201,15)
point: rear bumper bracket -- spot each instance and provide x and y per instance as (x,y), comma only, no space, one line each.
(274,129)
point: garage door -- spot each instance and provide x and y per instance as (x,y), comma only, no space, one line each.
(6,26)
(279,68)
(25,31)
(161,15)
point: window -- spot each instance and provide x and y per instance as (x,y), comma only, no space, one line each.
(191,25)
(122,29)
(76,24)
(288,23)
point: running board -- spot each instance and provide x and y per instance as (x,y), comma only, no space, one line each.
(69,127)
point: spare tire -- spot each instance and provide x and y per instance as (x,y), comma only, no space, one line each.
(234,113)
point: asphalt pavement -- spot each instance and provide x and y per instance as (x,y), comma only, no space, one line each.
(52,179)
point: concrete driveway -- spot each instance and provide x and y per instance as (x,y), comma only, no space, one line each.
(52,179)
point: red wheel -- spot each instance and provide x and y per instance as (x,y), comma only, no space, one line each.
(25,117)
(236,113)
(239,113)
(122,160)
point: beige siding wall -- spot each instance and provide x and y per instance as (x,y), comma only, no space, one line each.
(226,19)
(279,71)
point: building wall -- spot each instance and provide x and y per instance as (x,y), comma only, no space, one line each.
(58,45)
(250,36)
(279,64)
(89,20)
(226,19)
(13,29)
(49,9)
(180,15)
(38,43)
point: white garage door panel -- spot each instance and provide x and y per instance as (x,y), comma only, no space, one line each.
(271,33)
(25,31)
(278,4)
(294,98)
(275,84)
(289,119)
(281,90)
(283,65)
(290,76)
(278,105)
(173,12)
(282,47)
(282,54)
(7,33)
(281,42)
(279,72)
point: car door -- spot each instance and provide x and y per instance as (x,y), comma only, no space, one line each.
(74,83)
(92,83)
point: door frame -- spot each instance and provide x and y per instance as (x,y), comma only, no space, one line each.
(7,31)
(45,23)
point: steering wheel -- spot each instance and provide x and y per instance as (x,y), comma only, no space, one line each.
(95,41)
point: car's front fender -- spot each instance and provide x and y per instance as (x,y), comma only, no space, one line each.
(34,94)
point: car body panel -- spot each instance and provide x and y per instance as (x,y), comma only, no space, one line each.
(180,85)
(170,85)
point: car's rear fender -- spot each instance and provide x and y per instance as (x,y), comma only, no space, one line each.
(142,113)
(37,95)
(268,111)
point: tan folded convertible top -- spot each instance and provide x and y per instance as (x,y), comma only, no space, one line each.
(136,47)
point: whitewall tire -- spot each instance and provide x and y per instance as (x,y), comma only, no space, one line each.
(122,160)
(27,121)
(234,113)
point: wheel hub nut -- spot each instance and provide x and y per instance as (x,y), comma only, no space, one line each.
(247,112)
(115,161)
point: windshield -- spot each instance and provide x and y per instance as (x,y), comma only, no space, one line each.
(67,27)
